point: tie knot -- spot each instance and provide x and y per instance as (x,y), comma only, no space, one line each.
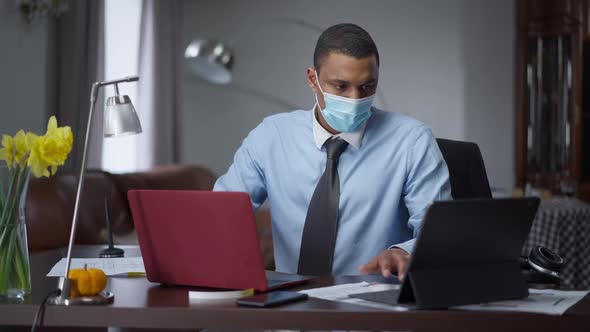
(335,147)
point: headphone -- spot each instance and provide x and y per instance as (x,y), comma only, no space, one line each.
(542,267)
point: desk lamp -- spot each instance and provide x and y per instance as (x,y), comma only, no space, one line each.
(120,119)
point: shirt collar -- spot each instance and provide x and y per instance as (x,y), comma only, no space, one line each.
(321,135)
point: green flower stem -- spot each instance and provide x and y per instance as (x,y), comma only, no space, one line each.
(2,192)
(3,236)
(13,207)
(20,264)
(2,198)
(11,202)
(3,220)
(8,196)
(3,277)
(14,267)
(4,269)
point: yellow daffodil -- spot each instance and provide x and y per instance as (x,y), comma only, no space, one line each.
(14,149)
(21,148)
(36,161)
(60,140)
(50,150)
(7,150)
(52,125)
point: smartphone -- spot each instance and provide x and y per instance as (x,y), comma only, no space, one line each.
(270,299)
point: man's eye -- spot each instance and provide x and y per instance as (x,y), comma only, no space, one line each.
(368,87)
(339,87)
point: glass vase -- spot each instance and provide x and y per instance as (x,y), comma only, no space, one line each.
(15,276)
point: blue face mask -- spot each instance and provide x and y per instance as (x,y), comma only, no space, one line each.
(345,114)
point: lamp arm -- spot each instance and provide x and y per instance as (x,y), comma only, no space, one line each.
(64,282)
(133,78)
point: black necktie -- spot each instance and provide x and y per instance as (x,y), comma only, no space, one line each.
(321,223)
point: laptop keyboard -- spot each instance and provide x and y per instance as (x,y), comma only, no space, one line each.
(387,297)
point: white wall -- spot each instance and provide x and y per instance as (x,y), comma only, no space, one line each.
(23,72)
(488,36)
(447,63)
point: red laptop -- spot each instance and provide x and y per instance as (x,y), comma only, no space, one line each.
(202,239)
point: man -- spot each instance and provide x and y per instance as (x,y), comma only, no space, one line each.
(348,184)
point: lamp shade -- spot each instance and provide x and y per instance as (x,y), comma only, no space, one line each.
(210,59)
(120,117)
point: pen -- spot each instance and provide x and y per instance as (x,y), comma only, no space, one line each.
(130,275)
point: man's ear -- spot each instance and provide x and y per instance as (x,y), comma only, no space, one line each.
(311,80)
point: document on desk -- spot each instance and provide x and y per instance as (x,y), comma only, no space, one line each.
(544,301)
(110,266)
(340,293)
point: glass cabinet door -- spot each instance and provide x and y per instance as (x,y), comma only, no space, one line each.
(549,81)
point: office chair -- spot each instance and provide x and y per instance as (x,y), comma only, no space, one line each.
(467,171)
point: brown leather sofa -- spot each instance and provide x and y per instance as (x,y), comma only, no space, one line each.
(50,206)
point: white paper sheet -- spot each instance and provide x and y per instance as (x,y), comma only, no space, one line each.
(546,301)
(340,293)
(110,266)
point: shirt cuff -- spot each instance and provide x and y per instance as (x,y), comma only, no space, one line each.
(407,246)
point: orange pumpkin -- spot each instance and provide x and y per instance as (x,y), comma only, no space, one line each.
(87,282)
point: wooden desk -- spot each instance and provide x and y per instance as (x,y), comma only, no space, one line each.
(141,304)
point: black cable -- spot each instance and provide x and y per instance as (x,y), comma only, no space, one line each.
(41,310)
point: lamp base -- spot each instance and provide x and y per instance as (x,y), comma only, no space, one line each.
(101,298)
(111,252)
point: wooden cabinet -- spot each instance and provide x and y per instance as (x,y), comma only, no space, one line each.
(552,118)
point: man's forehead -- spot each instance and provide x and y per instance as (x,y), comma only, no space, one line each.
(349,70)
(338,66)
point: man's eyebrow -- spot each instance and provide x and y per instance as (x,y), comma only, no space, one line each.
(342,82)
(373,80)
(336,81)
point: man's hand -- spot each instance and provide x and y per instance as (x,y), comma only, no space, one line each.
(394,259)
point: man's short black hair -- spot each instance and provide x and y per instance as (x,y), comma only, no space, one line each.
(345,38)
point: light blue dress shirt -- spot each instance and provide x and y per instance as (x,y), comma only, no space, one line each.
(387,181)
